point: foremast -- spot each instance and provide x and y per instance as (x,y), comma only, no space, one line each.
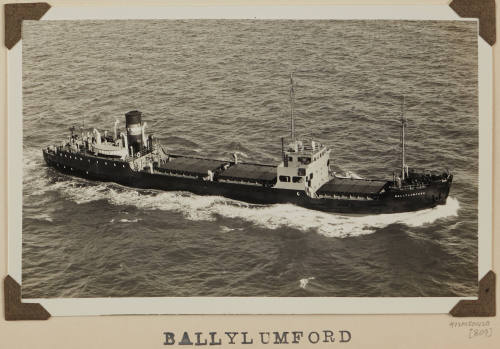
(292,102)
(404,167)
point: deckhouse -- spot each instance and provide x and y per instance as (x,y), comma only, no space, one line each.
(304,167)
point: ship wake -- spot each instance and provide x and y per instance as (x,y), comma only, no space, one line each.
(195,207)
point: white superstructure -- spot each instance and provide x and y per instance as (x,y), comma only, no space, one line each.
(304,167)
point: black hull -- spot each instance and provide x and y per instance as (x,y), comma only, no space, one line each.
(114,170)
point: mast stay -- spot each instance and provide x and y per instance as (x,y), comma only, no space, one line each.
(403,125)
(292,101)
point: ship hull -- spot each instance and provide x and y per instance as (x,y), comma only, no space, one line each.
(115,170)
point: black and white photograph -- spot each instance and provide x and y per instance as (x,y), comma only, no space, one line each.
(250,158)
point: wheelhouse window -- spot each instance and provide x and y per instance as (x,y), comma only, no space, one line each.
(298,179)
(302,172)
(284,178)
(305,160)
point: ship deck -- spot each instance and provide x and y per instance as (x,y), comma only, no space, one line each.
(343,186)
(223,170)
(190,165)
(249,172)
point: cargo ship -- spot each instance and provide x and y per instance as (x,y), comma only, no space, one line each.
(303,177)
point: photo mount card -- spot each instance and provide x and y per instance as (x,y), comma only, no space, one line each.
(301,239)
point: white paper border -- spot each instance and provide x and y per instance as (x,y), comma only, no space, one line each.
(248,305)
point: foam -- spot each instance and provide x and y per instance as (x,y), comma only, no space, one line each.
(124,220)
(41,217)
(207,208)
(303,282)
(225,229)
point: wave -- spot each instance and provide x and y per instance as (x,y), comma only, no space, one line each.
(303,282)
(226,229)
(41,217)
(124,220)
(335,225)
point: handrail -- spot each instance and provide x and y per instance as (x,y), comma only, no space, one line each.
(409,187)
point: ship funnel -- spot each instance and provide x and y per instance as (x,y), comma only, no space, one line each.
(133,123)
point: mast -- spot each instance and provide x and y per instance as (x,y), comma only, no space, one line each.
(82,128)
(283,148)
(403,125)
(292,100)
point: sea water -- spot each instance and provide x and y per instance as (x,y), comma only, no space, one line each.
(212,88)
